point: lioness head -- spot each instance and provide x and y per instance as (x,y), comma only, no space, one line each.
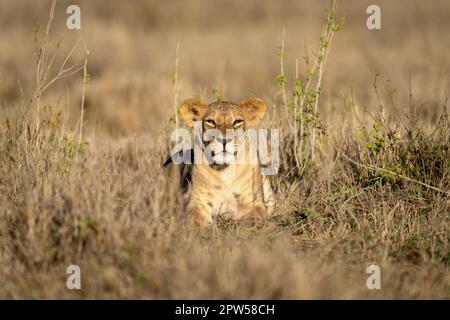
(221,121)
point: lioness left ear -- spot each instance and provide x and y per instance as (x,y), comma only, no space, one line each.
(252,109)
(192,110)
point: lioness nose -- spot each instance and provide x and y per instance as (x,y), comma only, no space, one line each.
(224,140)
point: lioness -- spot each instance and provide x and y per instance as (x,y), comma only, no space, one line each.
(219,184)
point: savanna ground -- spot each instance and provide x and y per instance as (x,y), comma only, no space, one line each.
(365,165)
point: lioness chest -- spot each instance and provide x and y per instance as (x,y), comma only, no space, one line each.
(234,190)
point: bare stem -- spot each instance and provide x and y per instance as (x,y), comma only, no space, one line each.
(83,92)
(175,86)
(41,69)
(282,81)
(326,39)
(298,117)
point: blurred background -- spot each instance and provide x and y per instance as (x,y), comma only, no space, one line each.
(230,46)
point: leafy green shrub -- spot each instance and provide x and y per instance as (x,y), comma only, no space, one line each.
(386,156)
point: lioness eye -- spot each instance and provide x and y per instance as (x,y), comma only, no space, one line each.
(210,123)
(238,123)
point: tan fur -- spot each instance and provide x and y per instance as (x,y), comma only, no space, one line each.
(236,189)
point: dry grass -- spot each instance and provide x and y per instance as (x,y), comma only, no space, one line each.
(376,192)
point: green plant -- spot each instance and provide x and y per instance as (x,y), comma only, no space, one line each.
(302,114)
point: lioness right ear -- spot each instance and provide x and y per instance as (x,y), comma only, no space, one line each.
(252,109)
(192,110)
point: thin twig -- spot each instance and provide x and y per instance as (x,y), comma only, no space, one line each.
(328,37)
(83,91)
(298,141)
(40,70)
(175,86)
(283,80)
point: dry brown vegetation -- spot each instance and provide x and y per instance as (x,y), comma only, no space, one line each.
(376,191)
